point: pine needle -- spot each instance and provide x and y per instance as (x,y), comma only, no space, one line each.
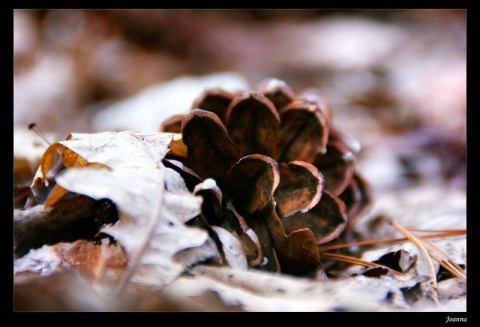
(444,260)
(418,242)
(357,261)
(441,233)
(437,230)
(429,250)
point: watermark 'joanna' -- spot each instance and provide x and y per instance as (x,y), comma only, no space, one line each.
(455,319)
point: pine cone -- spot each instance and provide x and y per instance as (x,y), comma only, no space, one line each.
(285,177)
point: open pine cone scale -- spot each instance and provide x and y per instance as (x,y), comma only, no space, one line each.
(283,171)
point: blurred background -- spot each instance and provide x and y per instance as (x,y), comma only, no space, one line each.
(395,79)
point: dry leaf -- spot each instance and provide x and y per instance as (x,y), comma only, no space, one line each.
(259,291)
(152,200)
(96,261)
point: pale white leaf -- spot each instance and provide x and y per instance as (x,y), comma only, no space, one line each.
(259,291)
(43,261)
(191,256)
(153,202)
(232,248)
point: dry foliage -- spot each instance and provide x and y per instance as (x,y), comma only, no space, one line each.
(278,196)
(210,194)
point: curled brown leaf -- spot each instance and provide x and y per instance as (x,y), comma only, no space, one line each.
(251,181)
(253,122)
(337,165)
(215,100)
(303,132)
(326,220)
(297,251)
(211,152)
(279,92)
(300,188)
(172,124)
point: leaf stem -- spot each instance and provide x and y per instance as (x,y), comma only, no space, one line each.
(135,258)
(33,127)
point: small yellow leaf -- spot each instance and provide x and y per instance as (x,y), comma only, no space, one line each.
(56,194)
(72,159)
(177,147)
(49,157)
